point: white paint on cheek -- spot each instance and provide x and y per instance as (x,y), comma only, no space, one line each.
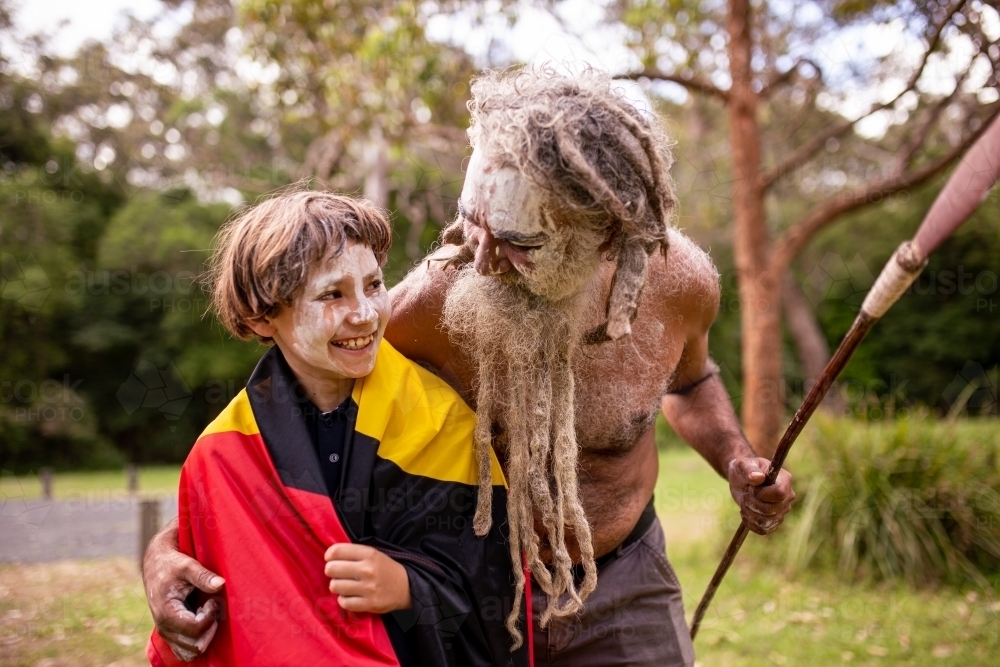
(317,321)
(315,324)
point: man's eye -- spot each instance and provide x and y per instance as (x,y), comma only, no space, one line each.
(524,248)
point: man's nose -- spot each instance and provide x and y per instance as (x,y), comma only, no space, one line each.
(491,255)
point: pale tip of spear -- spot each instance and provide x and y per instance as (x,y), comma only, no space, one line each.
(898,274)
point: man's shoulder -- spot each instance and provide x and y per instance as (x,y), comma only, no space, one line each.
(430,278)
(417,306)
(687,283)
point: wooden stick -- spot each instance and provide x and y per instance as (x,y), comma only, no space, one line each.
(965,190)
(836,364)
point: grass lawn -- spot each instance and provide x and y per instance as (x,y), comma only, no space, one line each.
(760,615)
(75,485)
(85,613)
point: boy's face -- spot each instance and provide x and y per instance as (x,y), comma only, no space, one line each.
(333,328)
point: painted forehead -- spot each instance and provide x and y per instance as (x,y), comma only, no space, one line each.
(500,197)
(357,260)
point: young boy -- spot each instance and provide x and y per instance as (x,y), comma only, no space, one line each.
(335,494)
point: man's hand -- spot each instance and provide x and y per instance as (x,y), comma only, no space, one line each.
(365,579)
(169,577)
(763,508)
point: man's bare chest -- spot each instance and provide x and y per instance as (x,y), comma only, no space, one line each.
(619,384)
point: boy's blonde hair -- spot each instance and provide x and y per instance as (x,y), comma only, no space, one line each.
(264,255)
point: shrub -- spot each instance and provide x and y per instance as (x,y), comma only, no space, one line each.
(912,499)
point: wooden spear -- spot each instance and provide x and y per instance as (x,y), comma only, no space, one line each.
(965,191)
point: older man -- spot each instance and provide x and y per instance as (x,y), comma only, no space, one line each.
(531,309)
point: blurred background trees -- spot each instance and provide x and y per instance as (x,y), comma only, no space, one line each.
(822,136)
(118,164)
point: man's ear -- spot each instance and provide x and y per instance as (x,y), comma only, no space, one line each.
(262,326)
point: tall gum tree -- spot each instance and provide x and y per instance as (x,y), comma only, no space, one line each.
(817,131)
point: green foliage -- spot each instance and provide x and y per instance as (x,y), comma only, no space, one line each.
(940,335)
(915,500)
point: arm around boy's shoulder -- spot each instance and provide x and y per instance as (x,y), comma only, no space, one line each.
(417,304)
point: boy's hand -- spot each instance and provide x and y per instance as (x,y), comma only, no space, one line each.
(366,579)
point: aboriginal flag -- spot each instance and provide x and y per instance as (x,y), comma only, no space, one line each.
(254,507)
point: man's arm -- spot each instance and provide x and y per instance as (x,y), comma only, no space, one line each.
(704,418)
(169,577)
(415,325)
(700,412)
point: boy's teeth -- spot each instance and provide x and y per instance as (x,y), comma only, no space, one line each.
(355,343)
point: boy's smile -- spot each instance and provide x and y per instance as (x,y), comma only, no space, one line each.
(331,331)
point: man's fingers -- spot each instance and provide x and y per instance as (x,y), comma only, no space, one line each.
(182,654)
(200,629)
(183,622)
(199,577)
(761,509)
(762,526)
(206,638)
(751,471)
(181,645)
(208,612)
(772,494)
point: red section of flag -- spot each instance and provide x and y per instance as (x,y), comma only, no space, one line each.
(268,541)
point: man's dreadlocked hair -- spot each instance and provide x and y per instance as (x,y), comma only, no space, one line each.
(603,165)
(587,146)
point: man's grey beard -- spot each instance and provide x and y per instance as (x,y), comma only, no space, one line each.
(522,346)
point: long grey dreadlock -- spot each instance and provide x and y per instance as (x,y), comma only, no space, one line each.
(604,164)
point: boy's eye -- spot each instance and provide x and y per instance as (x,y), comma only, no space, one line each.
(335,294)
(377,283)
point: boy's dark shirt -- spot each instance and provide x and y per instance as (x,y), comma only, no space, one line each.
(328,431)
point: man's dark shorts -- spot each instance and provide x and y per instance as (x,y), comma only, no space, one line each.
(635,616)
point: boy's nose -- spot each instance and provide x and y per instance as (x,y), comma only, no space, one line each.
(491,255)
(364,313)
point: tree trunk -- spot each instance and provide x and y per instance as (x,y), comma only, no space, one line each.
(377,179)
(760,290)
(810,343)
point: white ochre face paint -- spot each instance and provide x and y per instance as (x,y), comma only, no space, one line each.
(554,261)
(333,329)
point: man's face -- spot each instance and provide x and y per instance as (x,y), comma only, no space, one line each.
(333,328)
(511,226)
